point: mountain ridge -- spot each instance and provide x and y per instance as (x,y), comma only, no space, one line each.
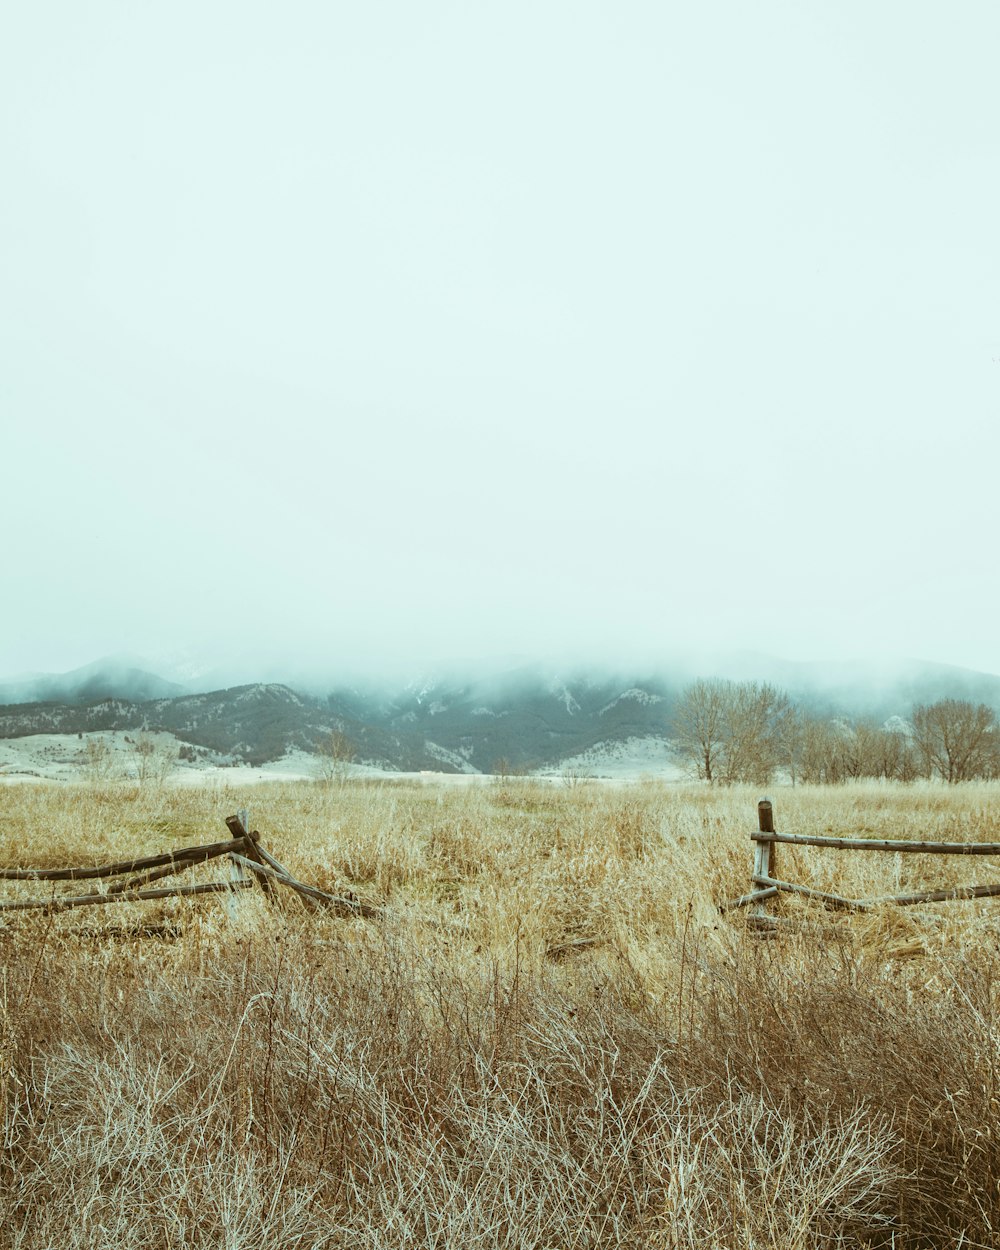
(529,718)
(108,677)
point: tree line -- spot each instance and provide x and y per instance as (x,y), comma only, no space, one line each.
(727,732)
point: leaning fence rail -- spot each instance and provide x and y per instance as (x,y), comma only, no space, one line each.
(253,864)
(765,884)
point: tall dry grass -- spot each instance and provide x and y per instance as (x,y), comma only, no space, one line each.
(553,1041)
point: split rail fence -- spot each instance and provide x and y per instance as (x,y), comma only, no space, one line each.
(132,880)
(766,884)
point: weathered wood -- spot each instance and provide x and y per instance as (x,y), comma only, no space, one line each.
(346,905)
(268,858)
(310,904)
(766,921)
(761,858)
(237,826)
(765,840)
(746,900)
(198,855)
(944,896)
(763,852)
(901,900)
(763,925)
(114,869)
(131,884)
(94,900)
(879,844)
(126,931)
(789,887)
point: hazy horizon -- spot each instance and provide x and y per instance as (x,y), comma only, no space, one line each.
(197,672)
(407,334)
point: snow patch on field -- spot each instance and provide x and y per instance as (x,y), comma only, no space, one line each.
(101,756)
(110,757)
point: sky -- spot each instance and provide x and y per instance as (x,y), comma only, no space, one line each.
(365,334)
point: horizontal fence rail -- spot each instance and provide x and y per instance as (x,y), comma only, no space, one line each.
(880,844)
(248,860)
(169,858)
(50,905)
(766,885)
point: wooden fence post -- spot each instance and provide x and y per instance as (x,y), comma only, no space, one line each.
(763,852)
(764,883)
(239,827)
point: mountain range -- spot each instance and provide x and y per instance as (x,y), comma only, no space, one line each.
(435,727)
(110,678)
(522,719)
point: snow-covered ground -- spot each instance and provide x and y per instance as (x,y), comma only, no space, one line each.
(116,756)
(71,757)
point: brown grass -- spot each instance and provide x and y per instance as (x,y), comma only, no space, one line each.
(554,1041)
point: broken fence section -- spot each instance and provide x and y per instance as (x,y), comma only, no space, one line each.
(254,866)
(766,885)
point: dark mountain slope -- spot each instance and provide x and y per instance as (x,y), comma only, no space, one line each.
(528,718)
(104,679)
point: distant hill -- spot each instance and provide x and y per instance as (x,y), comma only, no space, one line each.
(104,679)
(435,727)
(253,724)
(525,719)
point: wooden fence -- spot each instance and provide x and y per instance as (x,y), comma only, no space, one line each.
(765,883)
(131,880)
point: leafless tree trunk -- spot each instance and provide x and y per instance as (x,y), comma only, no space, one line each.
(756,724)
(700,726)
(732,731)
(337,753)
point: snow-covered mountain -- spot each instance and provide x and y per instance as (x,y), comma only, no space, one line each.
(526,718)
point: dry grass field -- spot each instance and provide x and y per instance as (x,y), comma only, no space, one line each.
(552,1040)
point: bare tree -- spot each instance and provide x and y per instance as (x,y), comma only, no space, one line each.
(956,739)
(700,726)
(861,749)
(890,753)
(837,750)
(756,726)
(337,753)
(154,758)
(821,755)
(98,760)
(732,731)
(793,743)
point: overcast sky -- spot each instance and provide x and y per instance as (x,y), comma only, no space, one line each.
(433,330)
